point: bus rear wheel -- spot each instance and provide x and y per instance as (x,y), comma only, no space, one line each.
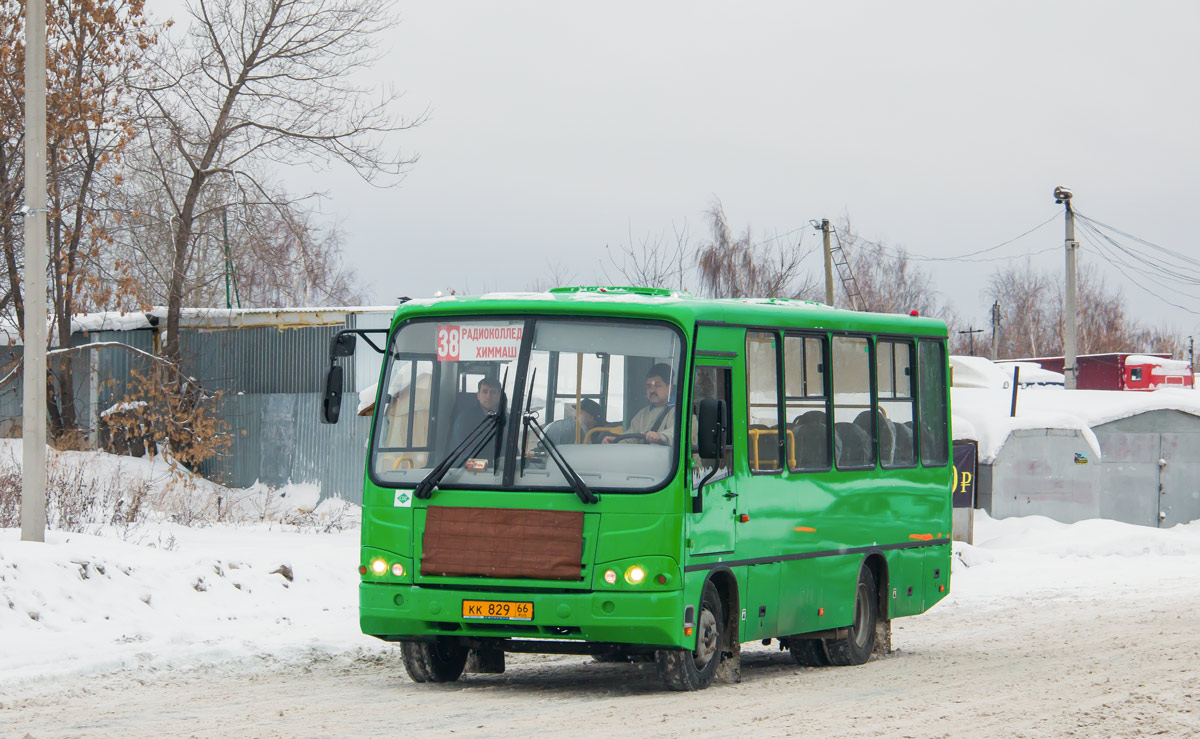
(808,652)
(855,648)
(440,661)
(694,670)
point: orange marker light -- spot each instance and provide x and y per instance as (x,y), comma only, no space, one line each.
(806,529)
(921,537)
(662,579)
(744,517)
(362,569)
(687,630)
(820,611)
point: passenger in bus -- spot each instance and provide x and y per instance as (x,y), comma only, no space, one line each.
(590,415)
(488,394)
(654,424)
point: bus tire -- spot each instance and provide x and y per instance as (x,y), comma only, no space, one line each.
(856,647)
(694,670)
(808,652)
(440,661)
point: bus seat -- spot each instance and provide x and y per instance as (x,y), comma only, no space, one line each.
(813,442)
(904,444)
(855,445)
(887,439)
(810,417)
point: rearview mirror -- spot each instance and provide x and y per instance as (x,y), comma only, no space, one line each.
(710,436)
(331,404)
(343,345)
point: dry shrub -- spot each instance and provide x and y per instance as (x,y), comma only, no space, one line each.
(165,412)
(10,498)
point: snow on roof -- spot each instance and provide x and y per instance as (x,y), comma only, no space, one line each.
(978,372)
(986,410)
(207,318)
(1032,374)
(1167,365)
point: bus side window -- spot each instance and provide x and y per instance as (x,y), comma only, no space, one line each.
(853,448)
(712,382)
(931,390)
(806,403)
(763,401)
(894,381)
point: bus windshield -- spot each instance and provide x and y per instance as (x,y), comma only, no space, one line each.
(498,398)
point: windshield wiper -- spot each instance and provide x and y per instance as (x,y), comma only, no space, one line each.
(581,489)
(477,438)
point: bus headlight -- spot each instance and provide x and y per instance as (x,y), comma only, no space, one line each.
(378,566)
(610,577)
(398,570)
(635,575)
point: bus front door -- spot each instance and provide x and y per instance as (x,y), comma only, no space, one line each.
(714,506)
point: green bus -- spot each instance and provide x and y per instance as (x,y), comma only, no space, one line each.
(531,486)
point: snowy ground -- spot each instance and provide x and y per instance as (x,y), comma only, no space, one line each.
(1088,629)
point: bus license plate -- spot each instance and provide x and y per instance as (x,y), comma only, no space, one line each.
(497,609)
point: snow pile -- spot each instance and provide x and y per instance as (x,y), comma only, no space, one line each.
(173,597)
(1038,557)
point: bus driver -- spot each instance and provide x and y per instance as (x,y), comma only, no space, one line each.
(656,422)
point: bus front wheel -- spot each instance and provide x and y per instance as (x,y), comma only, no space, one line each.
(855,648)
(440,661)
(694,670)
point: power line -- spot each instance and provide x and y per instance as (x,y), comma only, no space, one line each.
(1152,245)
(1127,269)
(1168,270)
(1141,262)
(969,256)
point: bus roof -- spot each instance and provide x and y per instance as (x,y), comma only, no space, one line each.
(677,306)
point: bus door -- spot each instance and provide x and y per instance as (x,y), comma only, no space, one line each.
(711,521)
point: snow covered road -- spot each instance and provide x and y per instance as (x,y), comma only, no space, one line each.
(1067,667)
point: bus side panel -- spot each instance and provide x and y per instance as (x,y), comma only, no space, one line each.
(800,596)
(937,574)
(840,576)
(906,586)
(762,598)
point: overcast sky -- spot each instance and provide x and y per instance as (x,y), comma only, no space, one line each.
(943,127)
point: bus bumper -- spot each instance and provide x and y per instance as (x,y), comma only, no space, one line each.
(399,612)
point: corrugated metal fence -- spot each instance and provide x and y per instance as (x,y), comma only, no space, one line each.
(270,385)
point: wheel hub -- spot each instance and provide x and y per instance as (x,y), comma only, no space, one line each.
(706,640)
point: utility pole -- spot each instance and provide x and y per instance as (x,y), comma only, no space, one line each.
(1070,318)
(33,412)
(828,263)
(970,332)
(995,329)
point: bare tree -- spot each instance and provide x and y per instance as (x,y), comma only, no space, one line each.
(556,275)
(656,261)
(256,82)
(735,267)
(1028,321)
(1031,310)
(887,280)
(93,49)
